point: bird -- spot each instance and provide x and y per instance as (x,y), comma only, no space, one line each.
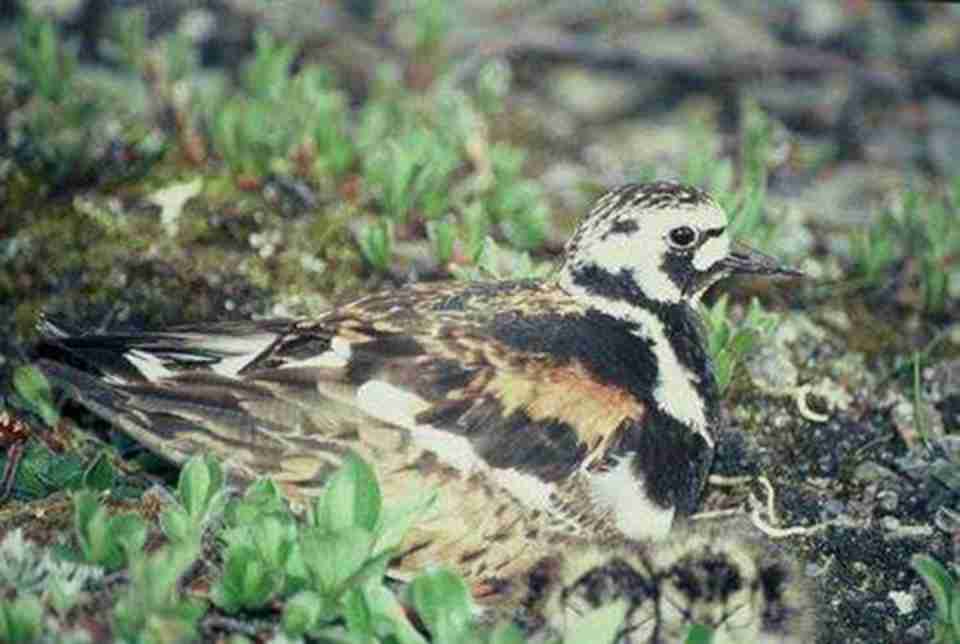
(582,405)
(724,576)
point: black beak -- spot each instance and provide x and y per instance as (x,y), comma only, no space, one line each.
(746,260)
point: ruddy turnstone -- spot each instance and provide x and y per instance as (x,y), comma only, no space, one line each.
(726,577)
(579,405)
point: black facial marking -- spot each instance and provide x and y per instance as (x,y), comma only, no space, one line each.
(620,286)
(710,233)
(621,227)
(679,268)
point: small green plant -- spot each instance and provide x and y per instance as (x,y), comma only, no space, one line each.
(324,114)
(255,566)
(253,130)
(918,231)
(153,609)
(376,243)
(34,394)
(728,342)
(942,250)
(705,166)
(493,86)
(515,203)
(345,547)
(21,620)
(495,262)
(744,198)
(430,22)
(61,137)
(129,41)
(44,66)
(942,584)
(444,603)
(201,499)
(105,540)
(261,556)
(873,251)
(413,172)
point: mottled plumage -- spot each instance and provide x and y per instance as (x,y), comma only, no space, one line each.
(579,405)
(725,577)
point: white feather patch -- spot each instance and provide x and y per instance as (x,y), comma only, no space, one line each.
(712,251)
(634,513)
(150,366)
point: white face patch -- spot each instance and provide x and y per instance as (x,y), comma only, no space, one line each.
(711,251)
(388,403)
(634,513)
(642,246)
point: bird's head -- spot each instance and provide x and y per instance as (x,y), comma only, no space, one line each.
(661,243)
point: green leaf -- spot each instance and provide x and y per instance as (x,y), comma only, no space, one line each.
(21,619)
(104,540)
(333,558)
(388,616)
(357,614)
(955,616)
(130,532)
(443,602)
(376,243)
(151,609)
(31,385)
(247,582)
(89,520)
(938,580)
(200,488)
(350,498)
(99,476)
(304,612)
(442,235)
(176,524)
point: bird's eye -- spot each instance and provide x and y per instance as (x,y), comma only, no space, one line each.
(683,237)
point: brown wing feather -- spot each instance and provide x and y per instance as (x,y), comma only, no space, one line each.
(289,408)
